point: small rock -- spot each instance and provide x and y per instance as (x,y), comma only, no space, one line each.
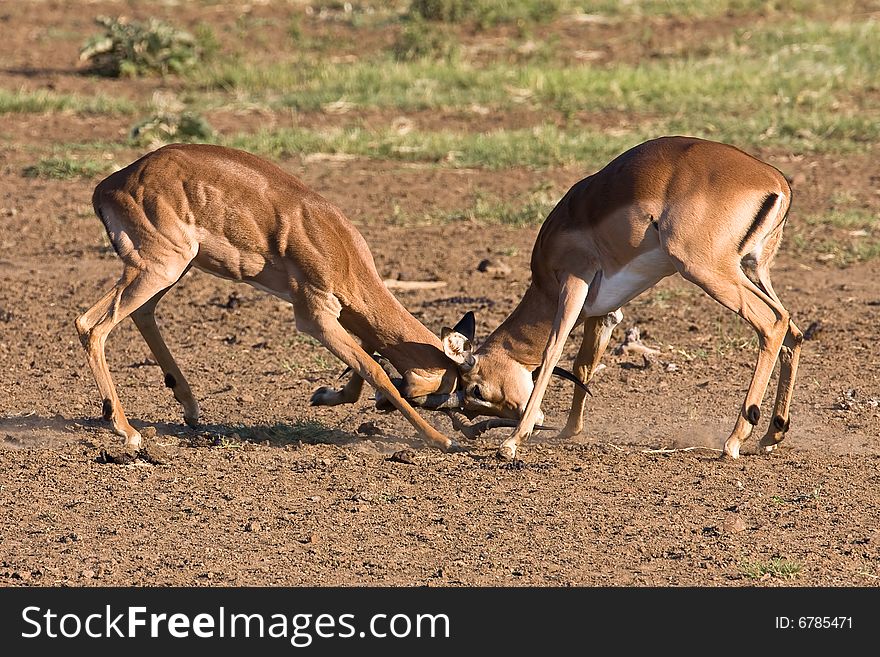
(671,367)
(734,524)
(152,453)
(495,267)
(88,574)
(812,330)
(252,526)
(245,399)
(117,455)
(369,429)
(404,456)
(148,432)
(315,498)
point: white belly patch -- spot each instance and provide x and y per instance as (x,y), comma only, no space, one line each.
(628,282)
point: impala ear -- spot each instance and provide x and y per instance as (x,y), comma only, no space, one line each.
(459,348)
(467,326)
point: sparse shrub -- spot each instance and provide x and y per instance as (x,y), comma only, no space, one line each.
(448,11)
(132,48)
(486,13)
(167,127)
(207,43)
(418,40)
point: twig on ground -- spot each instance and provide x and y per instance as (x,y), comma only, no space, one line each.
(394,284)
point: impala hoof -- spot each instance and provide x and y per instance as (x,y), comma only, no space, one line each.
(133,441)
(768,443)
(567,434)
(506,453)
(456,448)
(192,422)
(323,396)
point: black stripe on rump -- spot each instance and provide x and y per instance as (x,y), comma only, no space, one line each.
(768,203)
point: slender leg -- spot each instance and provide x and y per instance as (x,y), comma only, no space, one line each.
(145,320)
(571,303)
(597,335)
(769,319)
(789,356)
(326,328)
(348,394)
(135,288)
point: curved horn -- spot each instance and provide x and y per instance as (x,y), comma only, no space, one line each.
(565,374)
(439,401)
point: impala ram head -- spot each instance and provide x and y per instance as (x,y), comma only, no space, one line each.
(491,381)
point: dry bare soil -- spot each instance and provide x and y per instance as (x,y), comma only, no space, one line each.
(272,491)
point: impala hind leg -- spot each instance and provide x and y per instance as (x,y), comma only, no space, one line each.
(597,335)
(789,355)
(324,326)
(771,322)
(135,288)
(571,302)
(145,320)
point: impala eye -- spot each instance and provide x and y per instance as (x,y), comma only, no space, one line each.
(476,394)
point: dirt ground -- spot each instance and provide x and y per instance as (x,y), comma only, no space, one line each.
(272,491)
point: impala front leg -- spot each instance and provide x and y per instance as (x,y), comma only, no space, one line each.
(571,304)
(597,335)
(348,394)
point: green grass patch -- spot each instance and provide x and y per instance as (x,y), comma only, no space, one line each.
(67,168)
(806,64)
(844,235)
(809,86)
(777,567)
(40,101)
(848,218)
(538,147)
(698,8)
(842,252)
(419,40)
(486,13)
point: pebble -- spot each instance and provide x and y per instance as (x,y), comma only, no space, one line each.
(734,524)
(152,453)
(404,456)
(118,455)
(496,267)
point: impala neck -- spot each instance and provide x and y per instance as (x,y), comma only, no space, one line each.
(390,329)
(524,334)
